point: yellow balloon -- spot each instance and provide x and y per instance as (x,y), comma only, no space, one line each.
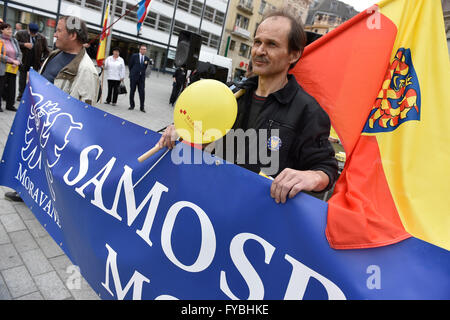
(205,111)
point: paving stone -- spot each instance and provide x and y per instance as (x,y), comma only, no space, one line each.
(9,257)
(35,228)
(19,281)
(23,241)
(32,296)
(36,262)
(77,285)
(4,292)
(6,206)
(12,222)
(49,246)
(4,238)
(62,266)
(23,211)
(51,286)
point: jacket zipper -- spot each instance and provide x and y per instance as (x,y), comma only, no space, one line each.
(271,122)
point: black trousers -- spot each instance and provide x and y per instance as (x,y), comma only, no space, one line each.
(138,82)
(113,91)
(8,89)
(176,89)
(22,81)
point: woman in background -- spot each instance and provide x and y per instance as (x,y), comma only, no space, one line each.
(115,73)
(9,65)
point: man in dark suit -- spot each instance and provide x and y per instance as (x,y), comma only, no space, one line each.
(138,65)
(34,50)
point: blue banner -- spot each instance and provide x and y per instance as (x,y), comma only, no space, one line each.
(183,224)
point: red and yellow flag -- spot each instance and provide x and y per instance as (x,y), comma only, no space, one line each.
(101,51)
(383,78)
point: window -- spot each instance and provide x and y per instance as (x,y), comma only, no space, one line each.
(132,16)
(210,40)
(164,23)
(172,2)
(178,26)
(214,41)
(219,18)
(196,8)
(232,45)
(262,7)
(205,37)
(191,28)
(183,5)
(209,14)
(94,4)
(120,8)
(150,20)
(244,50)
(242,21)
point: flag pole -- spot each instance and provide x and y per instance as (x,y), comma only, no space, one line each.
(123,15)
(112,16)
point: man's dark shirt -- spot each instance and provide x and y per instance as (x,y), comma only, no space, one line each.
(255,109)
(55,65)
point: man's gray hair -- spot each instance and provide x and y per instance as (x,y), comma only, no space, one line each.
(77,26)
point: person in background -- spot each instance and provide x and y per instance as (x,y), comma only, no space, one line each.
(3,61)
(194,76)
(69,67)
(13,61)
(179,78)
(34,51)
(115,73)
(138,66)
(18,28)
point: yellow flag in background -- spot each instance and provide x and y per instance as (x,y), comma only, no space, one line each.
(416,155)
(101,52)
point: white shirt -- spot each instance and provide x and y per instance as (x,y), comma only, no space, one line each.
(115,68)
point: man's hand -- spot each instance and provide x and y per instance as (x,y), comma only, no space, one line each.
(168,138)
(290,182)
(28,45)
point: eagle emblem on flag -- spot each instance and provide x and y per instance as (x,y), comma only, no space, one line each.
(399,98)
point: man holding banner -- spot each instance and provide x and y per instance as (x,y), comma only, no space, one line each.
(70,67)
(295,126)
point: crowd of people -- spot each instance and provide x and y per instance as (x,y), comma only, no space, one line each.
(69,67)
(20,51)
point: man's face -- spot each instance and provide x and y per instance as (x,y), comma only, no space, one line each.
(143,50)
(64,40)
(270,53)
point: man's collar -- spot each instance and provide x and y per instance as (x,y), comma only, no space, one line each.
(71,69)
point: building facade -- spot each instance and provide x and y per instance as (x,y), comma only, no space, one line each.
(165,19)
(243,18)
(326,15)
(446,10)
